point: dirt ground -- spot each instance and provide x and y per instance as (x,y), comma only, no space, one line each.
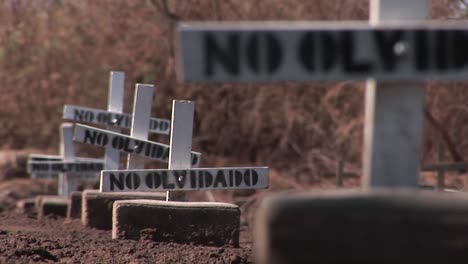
(27,240)
(24,239)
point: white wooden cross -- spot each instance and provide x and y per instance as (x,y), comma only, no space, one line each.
(136,144)
(71,170)
(396,55)
(67,182)
(180,177)
(67,162)
(114,118)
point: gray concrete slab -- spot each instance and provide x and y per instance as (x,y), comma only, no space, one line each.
(52,205)
(26,206)
(201,223)
(74,205)
(96,208)
(378,226)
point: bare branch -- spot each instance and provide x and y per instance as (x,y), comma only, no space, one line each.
(456,156)
(217,8)
(163,8)
(233,8)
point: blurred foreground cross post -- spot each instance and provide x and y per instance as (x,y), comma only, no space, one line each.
(394,112)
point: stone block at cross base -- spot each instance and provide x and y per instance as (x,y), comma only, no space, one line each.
(200,223)
(96,208)
(74,205)
(51,205)
(377,226)
(38,200)
(26,206)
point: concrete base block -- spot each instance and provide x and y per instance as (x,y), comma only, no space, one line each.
(74,205)
(210,224)
(378,226)
(96,208)
(52,205)
(26,206)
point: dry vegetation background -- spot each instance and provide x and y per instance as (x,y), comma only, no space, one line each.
(56,52)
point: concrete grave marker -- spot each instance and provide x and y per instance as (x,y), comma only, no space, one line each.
(380,225)
(377,225)
(70,171)
(204,223)
(59,166)
(110,118)
(51,205)
(216,222)
(180,177)
(114,117)
(97,207)
(57,205)
(68,163)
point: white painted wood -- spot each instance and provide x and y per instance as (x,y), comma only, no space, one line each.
(43,157)
(67,150)
(394,114)
(75,166)
(66,181)
(116,92)
(49,176)
(140,119)
(102,117)
(279,51)
(34,158)
(192,179)
(181,141)
(115,104)
(103,138)
(398,10)
(181,134)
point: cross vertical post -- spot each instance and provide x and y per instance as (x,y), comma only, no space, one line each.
(115,104)
(394,112)
(181,141)
(66,181)
(140,120)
